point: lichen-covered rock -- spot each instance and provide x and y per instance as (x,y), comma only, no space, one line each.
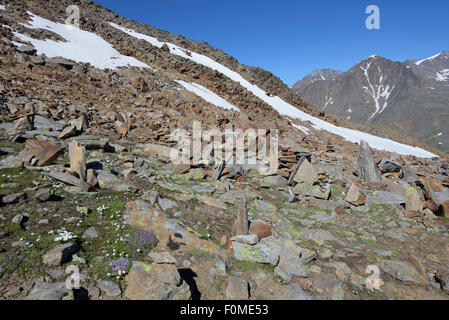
(151,281)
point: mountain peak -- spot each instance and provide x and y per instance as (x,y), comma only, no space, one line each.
(317,75)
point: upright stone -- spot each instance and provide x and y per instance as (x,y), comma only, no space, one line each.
(368,171)
(77,155)
(413,200)
(241,224)
(306,172)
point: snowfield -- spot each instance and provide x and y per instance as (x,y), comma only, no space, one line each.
(443,75)
(81,46)
(283,107)
(207,95)
(430,58)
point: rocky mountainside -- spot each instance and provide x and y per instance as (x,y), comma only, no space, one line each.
(412,96)
(316,75)
(88,119)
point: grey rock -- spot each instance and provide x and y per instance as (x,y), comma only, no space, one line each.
(14,198)
(306,173)
(61,254)
(387,165)
(329,286)
(384,197)
(166,204)
(275,181)
(44,124)
(151,196)
(181,292)
(43,195)
(233,196)
(291,268)
(237,288)
(367,167)
(109,288)
(151,281)
(26,49)
(295,292)
(162,257)
(403,271)
(260,253)
(67,64)
(442,276)
(109,181)
(19,218)
(37,60)
(90,233)
(219,268)
(247,239)
(48,291)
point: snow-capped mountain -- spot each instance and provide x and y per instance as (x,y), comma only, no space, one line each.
(316,75)
(434,68)
(412,96)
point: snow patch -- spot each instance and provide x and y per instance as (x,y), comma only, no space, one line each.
(81,46)
(377,91)
(428,59)
(207,95)
(327,102)
(301,128)
(285,108)
(443,75)
(2,7)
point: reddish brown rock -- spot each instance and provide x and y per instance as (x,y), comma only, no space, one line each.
(262,230)
(432,206)
(222,238)
(45,152)
(412,214)
(354,196)
(444,209)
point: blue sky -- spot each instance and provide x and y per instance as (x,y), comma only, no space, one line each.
(291,38)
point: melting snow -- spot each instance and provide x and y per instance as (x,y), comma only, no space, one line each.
(207,95)
(328,102)
(2,7)
(430,58)
(81,46)
(381,92)
(443,76)
(302,128)
(285,108)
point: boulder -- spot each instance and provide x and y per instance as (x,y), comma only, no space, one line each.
(77,155)
(43,151)
(306,173)
(151,281)
(237,288)
(413,200)
(367,168)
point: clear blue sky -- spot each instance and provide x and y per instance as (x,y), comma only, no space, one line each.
(291,38)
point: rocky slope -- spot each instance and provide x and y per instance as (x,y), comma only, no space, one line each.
(316,75)
(412,96)
(87,182)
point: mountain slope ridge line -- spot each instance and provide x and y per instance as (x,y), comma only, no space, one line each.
(280,105)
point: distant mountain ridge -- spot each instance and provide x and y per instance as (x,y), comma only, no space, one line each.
(412,96)
(316,75)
